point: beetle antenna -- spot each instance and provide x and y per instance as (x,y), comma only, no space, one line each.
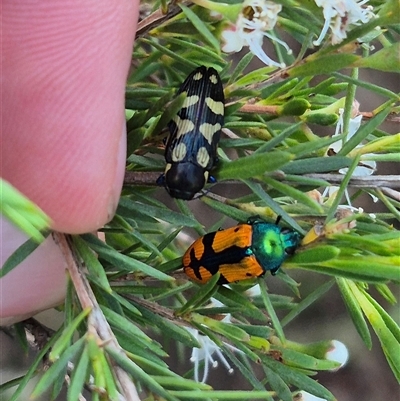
(278,219)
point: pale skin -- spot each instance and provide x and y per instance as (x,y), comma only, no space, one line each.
(64,68)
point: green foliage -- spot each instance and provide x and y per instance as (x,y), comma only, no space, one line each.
(22,212)
(278,152)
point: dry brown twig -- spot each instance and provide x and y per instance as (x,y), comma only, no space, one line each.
(97,323)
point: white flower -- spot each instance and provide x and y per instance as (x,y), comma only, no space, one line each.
(340,15)
(309,397)
(338,353)
(363,169)
(256,18)
(207,349)
(254,291)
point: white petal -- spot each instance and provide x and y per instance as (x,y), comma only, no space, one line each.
(338,353)
(354,125)
(256,48)
(233,41)
(309,397)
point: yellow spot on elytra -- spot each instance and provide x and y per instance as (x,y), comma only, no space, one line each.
(215,107)
(179,152)
(202,157)
(208,130)
(213,78)
(190,101)
(198,76)
(184,126)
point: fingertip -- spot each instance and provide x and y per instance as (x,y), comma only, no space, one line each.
(64,71)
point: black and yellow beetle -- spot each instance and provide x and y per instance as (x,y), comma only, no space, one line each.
(191,149)
(241,252)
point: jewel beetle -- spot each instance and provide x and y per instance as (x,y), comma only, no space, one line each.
(241,252)
(194,133)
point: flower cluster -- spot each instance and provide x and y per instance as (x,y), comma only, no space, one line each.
(364,169)
(207,349)
(340,15)
(255,21)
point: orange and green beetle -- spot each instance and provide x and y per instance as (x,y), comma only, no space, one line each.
(241,252)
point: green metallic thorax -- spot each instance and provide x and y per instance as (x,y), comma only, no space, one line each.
(271,244)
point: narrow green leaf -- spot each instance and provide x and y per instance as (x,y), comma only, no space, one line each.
(201,27)
(167,52)
(343,272)
(297,378)
(95,355)
(252,166)
(79,376)
(278,385)
(315,145)
(318,254)
(123,324)
(271,312)
(225,209)
(125,303)
(171,265)
(286,133)
(342,190)
(386,59)
(173,107)
(53,373)
(18,256)
(306,181)
(66,336)
(58,384)
(367,85)
(157,212)
(148,162)
(164,244)
(252,77)
(224,395)
(96,270)
(10,384)
(300,360)
(240,66)
(22,212)
(169,329)
(387,294)
(389,322)
(316,165)
(138,373)
(375,245)
(145,242)
(245,368)
(199,48)
(368,268)
(314,65)
(122,261)
(294,193)
(110,382)
(204,293)
(390,346)
(228,330)
(235,299)
(258,190)
(175,382)
(306,302)
(364,131)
